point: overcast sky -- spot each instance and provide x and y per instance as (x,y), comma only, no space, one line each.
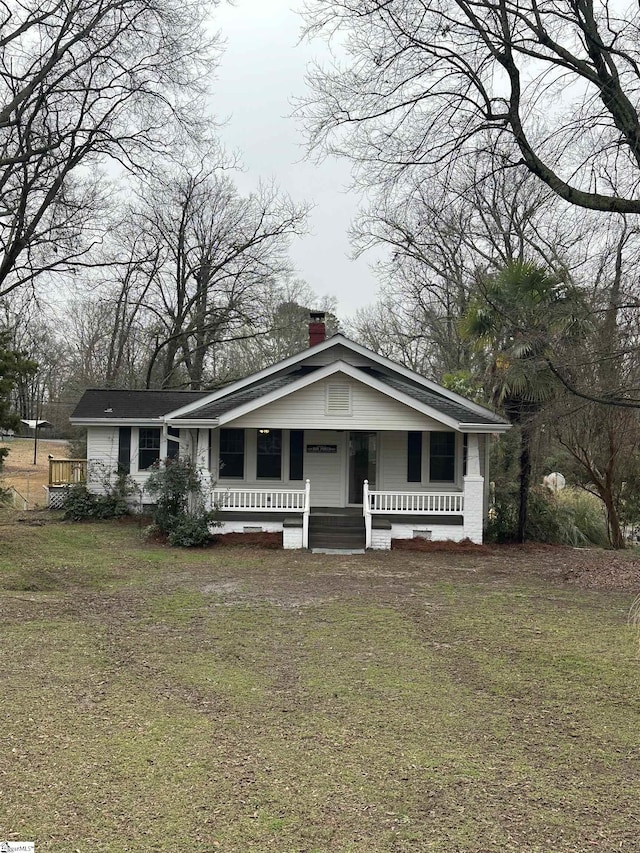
(262,68)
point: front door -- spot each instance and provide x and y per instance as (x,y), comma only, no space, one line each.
(362,463)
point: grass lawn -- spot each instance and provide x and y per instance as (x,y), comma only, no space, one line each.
(246,700)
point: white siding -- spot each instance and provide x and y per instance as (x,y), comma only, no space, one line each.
(392,465)
(306,409)
(102,455)
(327,471)
(102,451)
(102,445)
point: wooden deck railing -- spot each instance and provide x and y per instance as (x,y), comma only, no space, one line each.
(267,500)
(260,500)
(414,503)
(63,472)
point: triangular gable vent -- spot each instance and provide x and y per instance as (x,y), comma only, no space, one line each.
(338,399)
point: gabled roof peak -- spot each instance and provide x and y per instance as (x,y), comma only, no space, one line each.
(339,339)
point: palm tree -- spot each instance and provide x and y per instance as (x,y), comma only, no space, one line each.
(518,319)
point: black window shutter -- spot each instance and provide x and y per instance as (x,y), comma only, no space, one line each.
(173,448)
(296,454)
(414,457)
(124,450)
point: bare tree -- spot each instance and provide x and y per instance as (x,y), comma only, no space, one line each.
(84,83)
(424,81)
(208,258)
(284,331)
(444,239)
(603,446)
(27,327)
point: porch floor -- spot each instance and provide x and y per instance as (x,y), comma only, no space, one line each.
(336,510)
(339,512)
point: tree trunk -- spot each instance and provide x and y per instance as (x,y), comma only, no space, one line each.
(614,530)
(525,480)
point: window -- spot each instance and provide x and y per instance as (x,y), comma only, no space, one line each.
(414,457)
(442,457)
(296,454)
(269,454)
(148,447)
(124,450)
(173,448)
(232,453)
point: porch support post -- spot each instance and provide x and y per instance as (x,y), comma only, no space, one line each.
(305,514)
(473,492)
(201,459)
(202,449)
(366,510)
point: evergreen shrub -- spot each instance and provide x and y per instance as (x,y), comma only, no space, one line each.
(180,511)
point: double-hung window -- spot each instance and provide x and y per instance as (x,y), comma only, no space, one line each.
(232,453)
(269,454)
(442,457)
(148,447)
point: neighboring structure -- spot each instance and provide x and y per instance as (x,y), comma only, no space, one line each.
(336,447)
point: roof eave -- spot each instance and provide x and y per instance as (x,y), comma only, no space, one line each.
(497,427)
(192,422)
(116,421)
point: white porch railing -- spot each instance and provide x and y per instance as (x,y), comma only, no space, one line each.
(231,499)
(415,503)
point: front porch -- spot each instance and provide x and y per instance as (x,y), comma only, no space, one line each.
(362,489)
(383,516)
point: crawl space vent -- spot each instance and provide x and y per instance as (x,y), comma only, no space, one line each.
(338,399)
(422,534)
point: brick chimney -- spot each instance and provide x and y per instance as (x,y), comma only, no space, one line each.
(317,328)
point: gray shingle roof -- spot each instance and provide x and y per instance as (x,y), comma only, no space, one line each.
(439,402)
(100,403)
(247,395)
(119,404)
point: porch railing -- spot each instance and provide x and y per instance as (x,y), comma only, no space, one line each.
(63,472)
(414,503)
(230,499)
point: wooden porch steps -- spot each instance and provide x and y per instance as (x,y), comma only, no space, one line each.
(336,532)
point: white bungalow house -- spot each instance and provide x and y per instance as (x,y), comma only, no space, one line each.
(337,447)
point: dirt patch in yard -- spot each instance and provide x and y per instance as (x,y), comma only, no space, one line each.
(605,570)
(587,568)
(20,472)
